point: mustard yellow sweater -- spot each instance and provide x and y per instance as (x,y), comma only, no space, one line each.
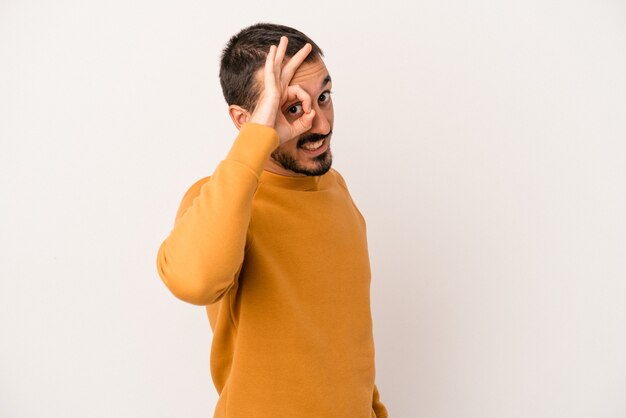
(281,264)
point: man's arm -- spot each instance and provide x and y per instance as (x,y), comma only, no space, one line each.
(203,253)
(377,405)
(201,257)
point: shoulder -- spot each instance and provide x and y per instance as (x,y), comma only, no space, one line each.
(194,189)
(339,178)
(343,184)
(192,192)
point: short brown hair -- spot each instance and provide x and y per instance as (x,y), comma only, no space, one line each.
(246,52)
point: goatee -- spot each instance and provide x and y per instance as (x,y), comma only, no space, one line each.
(322,162)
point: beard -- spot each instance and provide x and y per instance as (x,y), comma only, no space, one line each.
(321,163)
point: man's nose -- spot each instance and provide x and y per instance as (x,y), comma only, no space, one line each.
(321,125)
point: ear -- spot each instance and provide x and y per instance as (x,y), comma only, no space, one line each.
(239,115)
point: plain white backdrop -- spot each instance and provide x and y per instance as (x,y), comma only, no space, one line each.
(484,141)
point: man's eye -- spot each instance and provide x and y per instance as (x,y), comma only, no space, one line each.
(294,109)
(324,97)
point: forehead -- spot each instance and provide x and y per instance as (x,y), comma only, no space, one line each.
(309,73)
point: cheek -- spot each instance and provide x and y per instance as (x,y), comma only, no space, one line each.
(290,146)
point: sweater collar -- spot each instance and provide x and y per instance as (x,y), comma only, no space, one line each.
(303,183)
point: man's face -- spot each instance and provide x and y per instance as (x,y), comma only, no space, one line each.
(307,154)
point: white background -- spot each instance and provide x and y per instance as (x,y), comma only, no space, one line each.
(484,141)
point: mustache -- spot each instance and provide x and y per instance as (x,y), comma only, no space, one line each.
(312,138)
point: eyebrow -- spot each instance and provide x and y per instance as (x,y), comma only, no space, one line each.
(326,80)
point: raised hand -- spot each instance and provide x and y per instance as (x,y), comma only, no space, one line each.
(276,92)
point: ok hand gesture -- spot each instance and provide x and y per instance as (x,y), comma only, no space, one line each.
(276,92)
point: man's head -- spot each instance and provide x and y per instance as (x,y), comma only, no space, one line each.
(241,70)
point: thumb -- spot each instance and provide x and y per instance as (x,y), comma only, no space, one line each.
(304,122)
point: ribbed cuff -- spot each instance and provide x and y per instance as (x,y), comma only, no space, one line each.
(253,146)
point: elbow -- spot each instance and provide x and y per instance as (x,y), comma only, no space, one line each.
(188,285)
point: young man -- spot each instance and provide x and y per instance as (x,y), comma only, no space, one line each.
(274,247)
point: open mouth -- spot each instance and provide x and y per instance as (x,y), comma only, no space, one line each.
(316,148)
(313,146)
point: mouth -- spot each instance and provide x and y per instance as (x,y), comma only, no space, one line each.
(315,148)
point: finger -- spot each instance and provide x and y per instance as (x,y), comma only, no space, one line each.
(296,92)
(294,62)
(269,67)
(280,54)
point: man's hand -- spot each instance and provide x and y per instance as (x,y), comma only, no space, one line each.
(276,92)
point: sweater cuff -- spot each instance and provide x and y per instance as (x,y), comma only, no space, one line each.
(253,146)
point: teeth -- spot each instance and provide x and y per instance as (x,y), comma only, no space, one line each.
(313,146)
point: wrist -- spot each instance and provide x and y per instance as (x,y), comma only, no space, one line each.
(262,120)
(265,113)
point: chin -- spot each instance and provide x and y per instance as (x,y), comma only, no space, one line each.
(303,164)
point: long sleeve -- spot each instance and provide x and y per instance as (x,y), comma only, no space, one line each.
(377,405)
(204,251)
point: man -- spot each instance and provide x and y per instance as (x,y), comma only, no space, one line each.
(272,244)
